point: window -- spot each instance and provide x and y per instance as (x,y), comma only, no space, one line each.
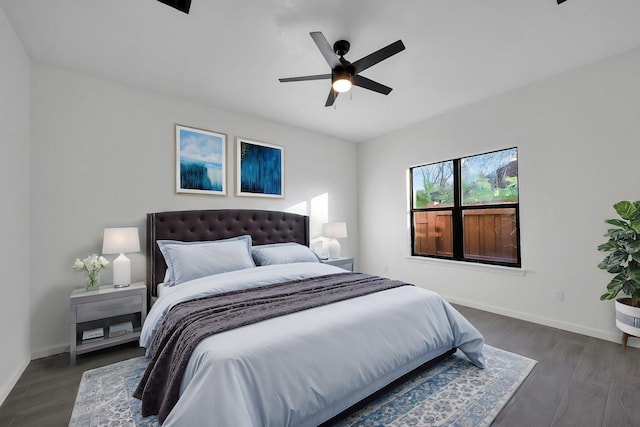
(467,209)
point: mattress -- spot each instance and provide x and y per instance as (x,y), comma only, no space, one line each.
(163,289)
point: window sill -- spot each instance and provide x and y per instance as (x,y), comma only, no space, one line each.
(512,271)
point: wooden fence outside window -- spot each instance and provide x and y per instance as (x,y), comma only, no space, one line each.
(489,234)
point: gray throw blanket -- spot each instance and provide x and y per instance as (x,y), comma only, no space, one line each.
(190,322)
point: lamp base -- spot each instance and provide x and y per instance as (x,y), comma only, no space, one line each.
(334,249)
(121,272)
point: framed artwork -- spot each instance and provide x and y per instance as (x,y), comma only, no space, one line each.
(201,159)
(259,169)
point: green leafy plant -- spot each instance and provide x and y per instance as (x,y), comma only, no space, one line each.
(624,257)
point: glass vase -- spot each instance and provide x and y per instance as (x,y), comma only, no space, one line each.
(93,281)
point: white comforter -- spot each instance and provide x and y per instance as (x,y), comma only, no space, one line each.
(306,367)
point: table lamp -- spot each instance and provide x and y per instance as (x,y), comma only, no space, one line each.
(334,230)
(121,241)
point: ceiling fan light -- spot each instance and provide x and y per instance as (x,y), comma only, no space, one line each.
(342,85)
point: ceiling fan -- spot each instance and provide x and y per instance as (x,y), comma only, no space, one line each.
(344,74)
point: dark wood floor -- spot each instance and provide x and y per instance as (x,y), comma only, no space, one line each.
(578,381)
(46,391)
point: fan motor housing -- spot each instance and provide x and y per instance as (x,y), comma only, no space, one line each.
(341,47)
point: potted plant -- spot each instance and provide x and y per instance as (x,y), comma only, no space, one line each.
(623,260)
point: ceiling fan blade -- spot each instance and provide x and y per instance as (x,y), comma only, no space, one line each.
(325,49)
(181,5)
(377,56)
(370,84)
(305,78)
(331,98)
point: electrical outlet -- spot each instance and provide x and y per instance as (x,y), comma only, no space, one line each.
(558,295)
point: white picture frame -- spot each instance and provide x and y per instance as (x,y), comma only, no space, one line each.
(201,161)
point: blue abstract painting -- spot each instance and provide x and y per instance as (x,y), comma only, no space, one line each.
(260,169)
(200,161)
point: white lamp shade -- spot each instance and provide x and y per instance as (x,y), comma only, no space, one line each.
(120,240)
(336,230)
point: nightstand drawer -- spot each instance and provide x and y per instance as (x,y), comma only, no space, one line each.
(108,308)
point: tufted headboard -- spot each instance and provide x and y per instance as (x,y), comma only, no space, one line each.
(201,225)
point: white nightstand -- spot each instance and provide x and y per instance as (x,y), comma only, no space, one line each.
(102,308)
(345,263)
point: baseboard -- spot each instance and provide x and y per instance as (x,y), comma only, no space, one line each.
(565,326)
(12,380)
(49,351)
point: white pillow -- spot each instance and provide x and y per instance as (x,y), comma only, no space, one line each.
(170,276)
(282,253)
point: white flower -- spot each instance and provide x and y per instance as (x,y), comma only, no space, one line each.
(91,264)
(78,264)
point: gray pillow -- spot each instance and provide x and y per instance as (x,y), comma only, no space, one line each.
(282,253)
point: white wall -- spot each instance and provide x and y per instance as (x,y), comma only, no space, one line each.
(103,155)
(578,139)
(14,215)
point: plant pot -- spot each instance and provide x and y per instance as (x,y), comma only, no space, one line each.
(627,317)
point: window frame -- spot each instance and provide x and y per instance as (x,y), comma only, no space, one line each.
(457,216)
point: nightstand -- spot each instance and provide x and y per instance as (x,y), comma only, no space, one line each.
(107,306)
(345,263)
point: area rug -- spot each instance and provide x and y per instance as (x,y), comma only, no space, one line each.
(451,393)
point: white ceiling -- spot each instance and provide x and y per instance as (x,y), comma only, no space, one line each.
(230,54)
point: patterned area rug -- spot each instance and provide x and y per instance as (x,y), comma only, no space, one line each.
(451,393)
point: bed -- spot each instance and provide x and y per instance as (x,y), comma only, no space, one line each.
(299,368)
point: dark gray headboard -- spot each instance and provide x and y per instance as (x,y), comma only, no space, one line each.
(201,225)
